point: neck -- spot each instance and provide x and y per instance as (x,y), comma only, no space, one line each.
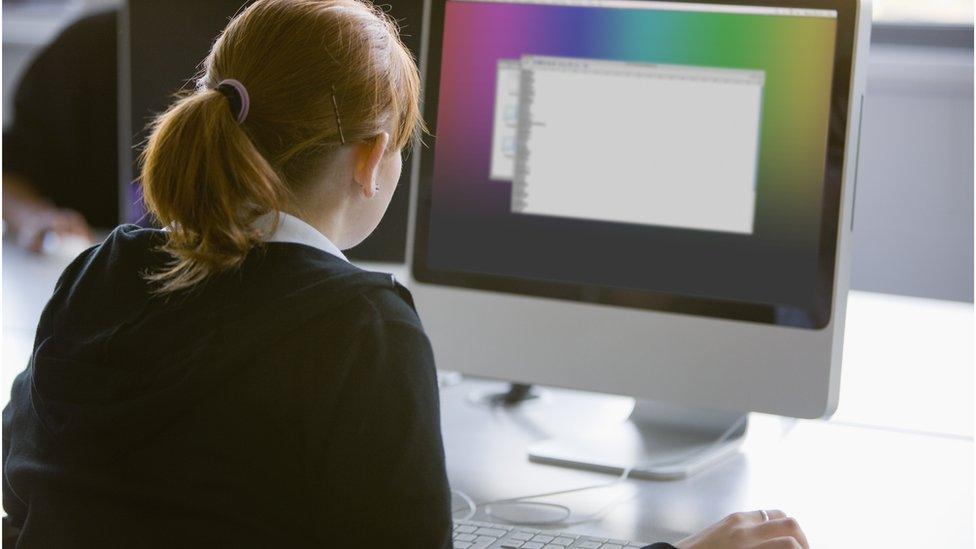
(325,205)
(328,221)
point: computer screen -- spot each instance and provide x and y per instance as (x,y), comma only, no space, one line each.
(666,155)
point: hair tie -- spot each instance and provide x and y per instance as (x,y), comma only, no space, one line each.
(237,96)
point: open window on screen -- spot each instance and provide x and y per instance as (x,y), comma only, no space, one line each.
(649,144)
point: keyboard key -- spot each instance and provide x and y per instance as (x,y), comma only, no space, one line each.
(465,529)
(532,545)
(462,545)
(486,539)
(523,536)
(511,543)
(612,546)
(543,538)
(496,532)
(562,540)
(589,545)
(465,537)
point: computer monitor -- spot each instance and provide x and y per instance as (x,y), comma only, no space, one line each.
(642,198)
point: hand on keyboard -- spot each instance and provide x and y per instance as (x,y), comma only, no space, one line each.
(752,530)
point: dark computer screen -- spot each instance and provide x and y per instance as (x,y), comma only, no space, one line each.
(163,44)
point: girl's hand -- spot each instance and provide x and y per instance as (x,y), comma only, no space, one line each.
(749,530)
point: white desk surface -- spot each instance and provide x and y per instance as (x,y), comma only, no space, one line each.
(892,468)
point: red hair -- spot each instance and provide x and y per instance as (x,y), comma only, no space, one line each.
(207,177)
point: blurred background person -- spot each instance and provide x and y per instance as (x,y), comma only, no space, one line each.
(60,154)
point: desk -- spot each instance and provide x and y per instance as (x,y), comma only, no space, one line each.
(849,486)
(879,474)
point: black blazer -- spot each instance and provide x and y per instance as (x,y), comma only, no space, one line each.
(290,403)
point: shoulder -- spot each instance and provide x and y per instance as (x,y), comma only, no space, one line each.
(392,304)
(382,324)
(114,255)
(337,290)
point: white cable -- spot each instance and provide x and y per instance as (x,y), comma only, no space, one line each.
(472,508)
(624,475)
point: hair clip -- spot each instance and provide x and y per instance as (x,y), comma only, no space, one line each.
(335,107)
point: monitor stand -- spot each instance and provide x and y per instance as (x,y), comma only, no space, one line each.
(658,441)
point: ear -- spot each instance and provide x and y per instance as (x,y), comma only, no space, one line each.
(369,157)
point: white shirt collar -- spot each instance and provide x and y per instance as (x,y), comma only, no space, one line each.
(293,229)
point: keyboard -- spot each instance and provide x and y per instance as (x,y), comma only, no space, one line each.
(473,534)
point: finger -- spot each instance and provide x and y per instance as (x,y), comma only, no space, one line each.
(34,243)
(783,527)
(780,543)
(72,222)
(763,516)
(742,518)
(76,219)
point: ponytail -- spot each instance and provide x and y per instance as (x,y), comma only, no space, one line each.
(318,74)
(206,183)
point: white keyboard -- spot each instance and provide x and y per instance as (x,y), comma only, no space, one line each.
(473,534)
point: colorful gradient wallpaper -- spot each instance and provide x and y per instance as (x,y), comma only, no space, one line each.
(473,230)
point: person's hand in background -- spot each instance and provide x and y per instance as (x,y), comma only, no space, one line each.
(35,223)
(751,530)
(50,228)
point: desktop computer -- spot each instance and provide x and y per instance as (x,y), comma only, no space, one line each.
(642,198)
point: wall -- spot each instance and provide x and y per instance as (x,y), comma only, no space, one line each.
(913,226)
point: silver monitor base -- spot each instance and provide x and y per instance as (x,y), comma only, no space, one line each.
(658,441)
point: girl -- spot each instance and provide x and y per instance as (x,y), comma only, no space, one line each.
(231,380)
